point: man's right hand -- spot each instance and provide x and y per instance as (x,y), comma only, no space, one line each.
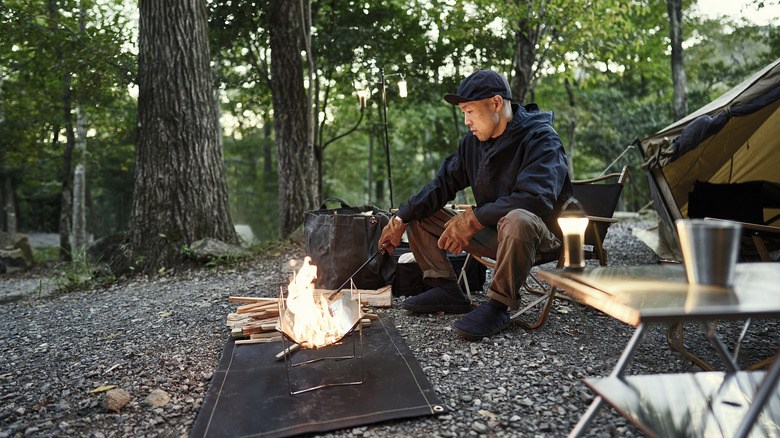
(391,234)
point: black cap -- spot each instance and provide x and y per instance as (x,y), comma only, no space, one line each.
(482,84)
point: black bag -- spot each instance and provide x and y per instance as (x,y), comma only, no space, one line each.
(408,279)
(340,240)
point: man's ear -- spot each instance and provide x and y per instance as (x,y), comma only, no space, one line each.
(498,103)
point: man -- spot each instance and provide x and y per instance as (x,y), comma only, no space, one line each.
(515,163)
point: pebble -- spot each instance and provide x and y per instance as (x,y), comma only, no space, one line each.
(157,398)
(116,399)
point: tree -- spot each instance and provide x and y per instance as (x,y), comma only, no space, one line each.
(79,172)
(292,115)
(180,195)
(674,8)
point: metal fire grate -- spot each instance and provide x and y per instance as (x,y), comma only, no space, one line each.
(337,364)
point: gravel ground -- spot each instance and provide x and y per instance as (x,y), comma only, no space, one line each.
(163,337)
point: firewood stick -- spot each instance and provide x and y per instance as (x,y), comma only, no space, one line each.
(286,351)
(252,299)
(248,308)
(257,341)
(263,313)
(258,323)
(266,335)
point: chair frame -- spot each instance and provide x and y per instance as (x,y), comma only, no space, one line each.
(549,294)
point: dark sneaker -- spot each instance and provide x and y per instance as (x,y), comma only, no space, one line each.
(481,322)
(436,300)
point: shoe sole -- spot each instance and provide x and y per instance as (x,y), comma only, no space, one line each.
(472,337)
(451,308)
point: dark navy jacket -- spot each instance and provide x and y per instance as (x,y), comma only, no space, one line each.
(524,167)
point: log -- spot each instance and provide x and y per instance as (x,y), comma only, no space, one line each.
(257,341)
(253,299)
(256,307)
(382,297)
(266,335)
(286,351)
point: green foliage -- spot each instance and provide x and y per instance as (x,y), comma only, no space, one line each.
(43,45)
(79,273)
(613,54)
(253,191)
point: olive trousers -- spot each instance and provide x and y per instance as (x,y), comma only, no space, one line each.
(513,244)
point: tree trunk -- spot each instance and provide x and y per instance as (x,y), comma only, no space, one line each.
(674,8)
(66,193)
(80,184)
(297,167)
(180,192)
(526,38)
(9,207)
(572,128)
(268,158)
(523,65)
(79,230)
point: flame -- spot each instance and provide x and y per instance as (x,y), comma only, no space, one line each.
(312,323)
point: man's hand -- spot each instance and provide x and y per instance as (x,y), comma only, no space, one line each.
(458,231)
(391,234)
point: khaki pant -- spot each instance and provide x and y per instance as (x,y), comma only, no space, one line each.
(519,235)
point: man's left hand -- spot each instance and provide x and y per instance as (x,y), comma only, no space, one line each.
(458,231)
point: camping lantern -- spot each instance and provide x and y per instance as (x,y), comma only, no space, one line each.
(573,223)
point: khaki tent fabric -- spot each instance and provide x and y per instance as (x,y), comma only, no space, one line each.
(746,147)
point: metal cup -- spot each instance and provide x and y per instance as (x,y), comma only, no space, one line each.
(710,250)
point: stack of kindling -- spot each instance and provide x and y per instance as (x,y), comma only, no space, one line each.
(256,320)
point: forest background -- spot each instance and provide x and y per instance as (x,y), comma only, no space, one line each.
(69,95)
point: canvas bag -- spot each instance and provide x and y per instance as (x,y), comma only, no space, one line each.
(340,240)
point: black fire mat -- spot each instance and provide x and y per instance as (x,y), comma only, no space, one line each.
(250,396)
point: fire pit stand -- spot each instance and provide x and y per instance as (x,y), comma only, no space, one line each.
(337,364)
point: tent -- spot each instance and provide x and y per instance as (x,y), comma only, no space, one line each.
(722,160)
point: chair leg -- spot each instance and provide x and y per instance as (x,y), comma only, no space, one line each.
(547,294)
(462,277)
(758,241)
(545,310)
(679,346)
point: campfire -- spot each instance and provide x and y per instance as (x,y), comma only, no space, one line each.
(312,320)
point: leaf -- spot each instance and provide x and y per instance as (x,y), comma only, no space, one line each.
(488,414)
(102,389)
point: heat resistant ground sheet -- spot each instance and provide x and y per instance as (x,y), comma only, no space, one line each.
(249,395)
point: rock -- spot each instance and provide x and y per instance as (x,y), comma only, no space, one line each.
(245,234)
(157,398)
(479,427)
(15,252)
(116,399)
(209,247)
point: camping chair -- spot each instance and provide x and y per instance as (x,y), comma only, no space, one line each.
(599,198)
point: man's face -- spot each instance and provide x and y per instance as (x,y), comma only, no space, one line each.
(482,117)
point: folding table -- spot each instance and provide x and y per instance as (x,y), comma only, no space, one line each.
(717,404)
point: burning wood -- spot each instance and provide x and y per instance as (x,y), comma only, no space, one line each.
(243,325)
(257,319)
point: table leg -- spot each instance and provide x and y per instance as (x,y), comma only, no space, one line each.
(618,371)
(763,393)
(723,352)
